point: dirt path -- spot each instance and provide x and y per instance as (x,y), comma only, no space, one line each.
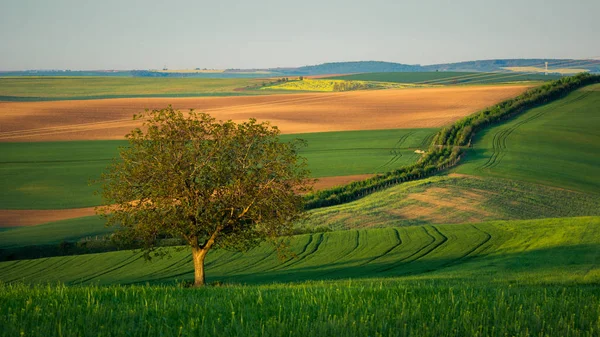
(17,218)
(294,113)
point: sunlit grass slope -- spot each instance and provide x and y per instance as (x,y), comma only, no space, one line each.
(531,251)
(53,175)
(557,144)
(456,199)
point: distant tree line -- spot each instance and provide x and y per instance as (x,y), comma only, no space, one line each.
(446,148)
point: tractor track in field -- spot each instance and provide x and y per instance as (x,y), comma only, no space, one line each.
(287,262)
(467,256)
(396,245)
(415,253)
(125,262)
(253,264)
(59,263)
(499,140)
(220,262)
(395,152)
(173,266)
(302,255)
(347,255)
(421,252)
(312,251)
(33,263)
(436,246)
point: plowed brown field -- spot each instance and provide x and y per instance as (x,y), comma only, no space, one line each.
(293,113)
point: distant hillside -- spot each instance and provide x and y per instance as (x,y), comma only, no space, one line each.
(500,64)
(526,65)
(352,67)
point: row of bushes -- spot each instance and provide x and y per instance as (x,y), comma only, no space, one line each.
(445,150)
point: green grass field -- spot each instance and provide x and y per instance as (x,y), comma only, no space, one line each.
(446,78)
(436,200)
(556,144)
(64,88)
(378,307)
(561,250)
(55,175)
(456,199)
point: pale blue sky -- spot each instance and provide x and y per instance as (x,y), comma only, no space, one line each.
(143,34)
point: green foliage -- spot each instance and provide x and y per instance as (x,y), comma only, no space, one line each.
(208,182)
(556,144)
(350,308)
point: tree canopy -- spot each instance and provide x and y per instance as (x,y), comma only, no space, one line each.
(210,183)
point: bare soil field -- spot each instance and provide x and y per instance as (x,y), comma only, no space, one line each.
(294,113)
(17,218)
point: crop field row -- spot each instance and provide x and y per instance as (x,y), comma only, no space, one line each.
(299,113)
(530,251)
(556,144)
(54,175)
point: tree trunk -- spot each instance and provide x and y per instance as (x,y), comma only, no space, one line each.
(198,255)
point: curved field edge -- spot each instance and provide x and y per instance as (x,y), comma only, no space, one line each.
(446,149)
(530,251)
(555,144)
(435,200)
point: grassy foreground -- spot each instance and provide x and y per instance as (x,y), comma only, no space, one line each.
(345,308)
(54,175)
(556,144)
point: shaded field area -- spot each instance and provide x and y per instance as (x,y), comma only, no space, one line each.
(298,113)
(55,175)
(68,88)
(456,199)
(444,77)
(344,308)
(530,251)
(556,144)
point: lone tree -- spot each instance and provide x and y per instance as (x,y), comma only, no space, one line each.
(210,183)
